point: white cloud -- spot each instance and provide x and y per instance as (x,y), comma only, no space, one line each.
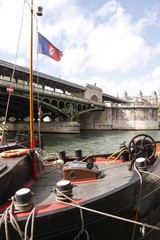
(156,73)
(108,9)
(105,45)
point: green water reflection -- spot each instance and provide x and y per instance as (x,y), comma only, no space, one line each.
(91,141)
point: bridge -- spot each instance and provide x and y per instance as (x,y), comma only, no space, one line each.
(53,97)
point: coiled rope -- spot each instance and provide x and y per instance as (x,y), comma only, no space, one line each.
(46,160)
(9,214)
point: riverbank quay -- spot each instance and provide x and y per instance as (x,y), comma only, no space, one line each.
(44,127)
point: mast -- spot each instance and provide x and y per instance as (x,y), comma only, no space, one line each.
(32,138)
(32,143)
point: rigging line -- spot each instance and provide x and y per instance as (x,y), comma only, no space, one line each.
(150,173)
(40,114)
(138,200)
(82,231)
(77,205)
(156,189)
(29,5)
(13,72)
(81,215)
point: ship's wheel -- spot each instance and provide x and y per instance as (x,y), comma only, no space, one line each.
(142,145)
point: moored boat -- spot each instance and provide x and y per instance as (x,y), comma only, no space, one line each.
(21,140)
(108,196)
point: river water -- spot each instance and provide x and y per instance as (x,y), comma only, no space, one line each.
(91,141)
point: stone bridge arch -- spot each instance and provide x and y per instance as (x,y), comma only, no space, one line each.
(94,98)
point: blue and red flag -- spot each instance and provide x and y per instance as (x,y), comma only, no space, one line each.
(47,48)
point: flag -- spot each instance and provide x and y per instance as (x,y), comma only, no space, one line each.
(47,48)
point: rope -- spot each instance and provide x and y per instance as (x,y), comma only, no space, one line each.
(138,201)
(41,154)
(44,160)
(9,214)
(6,226)
(4,219)
(75,204)
(81,215)
(122,150)
(152,174)
(49,157)
(140,177)
(40,113)
(31,216)
(82,228)
(14,68)
(90,155)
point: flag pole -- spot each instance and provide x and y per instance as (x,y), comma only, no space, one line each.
(32,138)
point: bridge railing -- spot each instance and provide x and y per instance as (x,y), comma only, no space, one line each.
(50,93)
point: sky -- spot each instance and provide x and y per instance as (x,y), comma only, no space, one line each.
(114,44)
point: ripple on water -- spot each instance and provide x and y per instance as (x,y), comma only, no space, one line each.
(91,141)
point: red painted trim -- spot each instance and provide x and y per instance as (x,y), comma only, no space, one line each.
(84,180)
(48,208)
